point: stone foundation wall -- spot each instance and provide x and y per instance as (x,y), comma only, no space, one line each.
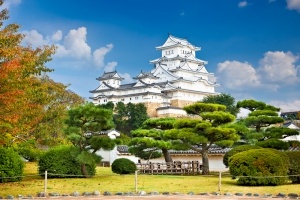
(151,108)
(181,103)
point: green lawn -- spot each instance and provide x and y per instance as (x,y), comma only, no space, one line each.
(105,180)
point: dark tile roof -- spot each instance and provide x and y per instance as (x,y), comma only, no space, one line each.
(109,75)
(213,150)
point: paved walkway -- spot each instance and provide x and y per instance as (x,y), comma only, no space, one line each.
(162,197)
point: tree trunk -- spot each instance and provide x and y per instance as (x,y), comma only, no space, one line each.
(83,170)
(167,155)
(205,162)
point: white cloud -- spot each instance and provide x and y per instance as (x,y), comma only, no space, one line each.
(127,78)
(287,106)
(279,67)
(75,44)
(99,54)
(236,75)
(73,49)
(8,3)
(57,36)
(34,38)
(243,4)
(293,5)
(110,66)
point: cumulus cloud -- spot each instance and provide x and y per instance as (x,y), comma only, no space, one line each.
(237,75)
(276,69)
(243,4)
(110,66)
(100,53)
(57,36)
(127,78)
(293,5)
(34,38)
(287,106)
(279,67)
(8,3)
(75,45)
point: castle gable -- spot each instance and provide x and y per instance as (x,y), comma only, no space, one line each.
(110,75)
(163,74)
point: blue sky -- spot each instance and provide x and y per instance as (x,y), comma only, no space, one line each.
(252,46)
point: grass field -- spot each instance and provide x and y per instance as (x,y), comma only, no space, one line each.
(105,180)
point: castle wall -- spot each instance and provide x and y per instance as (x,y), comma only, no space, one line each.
(181,103)
(151,108)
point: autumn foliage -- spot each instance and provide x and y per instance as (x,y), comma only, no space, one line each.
(26,92)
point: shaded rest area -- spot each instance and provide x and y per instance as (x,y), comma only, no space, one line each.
(176,167)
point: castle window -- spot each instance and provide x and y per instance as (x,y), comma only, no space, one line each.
(136,98)
(122,99)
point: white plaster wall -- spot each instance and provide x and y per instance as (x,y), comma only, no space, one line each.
(108,156)
(171,111)
(215,162)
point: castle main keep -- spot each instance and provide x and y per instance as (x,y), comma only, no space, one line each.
(178,79)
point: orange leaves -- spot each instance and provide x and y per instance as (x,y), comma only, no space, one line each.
(20,105)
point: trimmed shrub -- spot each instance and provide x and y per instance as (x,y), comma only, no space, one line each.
(294,168)
(64,161)
(123,166)
(259,167)
(236,150)
(274,144)
(11,165)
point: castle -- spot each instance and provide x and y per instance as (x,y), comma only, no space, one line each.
(177,79)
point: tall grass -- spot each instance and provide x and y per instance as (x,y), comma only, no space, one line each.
(105,180)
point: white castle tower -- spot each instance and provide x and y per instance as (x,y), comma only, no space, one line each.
(178,79)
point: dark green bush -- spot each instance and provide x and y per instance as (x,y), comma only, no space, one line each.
(294,168)
(274,144)
(123,166)
(63,161)
(236,150)
(11,165)
(259,167)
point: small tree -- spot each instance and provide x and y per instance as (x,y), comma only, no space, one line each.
(150,138)
(223,99)
(262,115)
(129,116)
(201,133)
(85,124)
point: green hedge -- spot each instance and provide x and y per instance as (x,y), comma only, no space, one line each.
(63,161)
(11,165)
(123,166)
(259,167)
(294,168)
(236,150)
